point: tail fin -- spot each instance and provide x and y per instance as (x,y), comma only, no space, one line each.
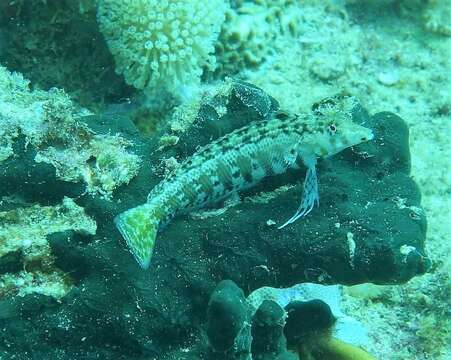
(139,228)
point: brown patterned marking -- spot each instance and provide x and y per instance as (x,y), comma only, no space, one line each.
(189,192)
(223,143)
(205,183)
(228,186)
(241,131)
(172,201)
(263,132)
(322,151)
(285,125)
(158,212)
(204,156)
(256,139)
(265,161)
(259,124)
(333,140)
(224,172)
(255,165)
(246,138)
(286,131)
(226,148)
(299,162)
(245,165)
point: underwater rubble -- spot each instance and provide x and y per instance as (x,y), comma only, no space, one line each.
(305,320)
(369,227)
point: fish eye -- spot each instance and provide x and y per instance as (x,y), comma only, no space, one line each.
(332,128)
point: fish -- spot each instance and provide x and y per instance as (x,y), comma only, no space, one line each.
(237,161)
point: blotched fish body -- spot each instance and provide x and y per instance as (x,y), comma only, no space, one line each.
(237,161)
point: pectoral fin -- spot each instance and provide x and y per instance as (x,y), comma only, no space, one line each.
(310,196)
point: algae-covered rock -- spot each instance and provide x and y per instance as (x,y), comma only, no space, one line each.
(268,341)
(227,314)
(45,141)
(369,226)
(305,319)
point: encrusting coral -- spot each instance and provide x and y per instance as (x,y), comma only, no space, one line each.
(249,28)
(50,122)
(24,231)
(165,42)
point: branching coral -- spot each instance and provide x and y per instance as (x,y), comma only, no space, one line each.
(161,43)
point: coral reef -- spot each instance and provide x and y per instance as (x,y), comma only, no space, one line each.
(270,322)
(23,240)
(437,17)
(161,43)
(249,28)
(49,122)
(161,313)
(370,226)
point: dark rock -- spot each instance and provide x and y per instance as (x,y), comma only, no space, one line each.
(236,332)
(11,262)
(227,312)
(32,181)
(245,103)
(369,227)
(306,317)
(268,341)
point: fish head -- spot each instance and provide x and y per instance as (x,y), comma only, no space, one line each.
(333,131)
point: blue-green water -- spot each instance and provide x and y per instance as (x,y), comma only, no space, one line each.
(197,103)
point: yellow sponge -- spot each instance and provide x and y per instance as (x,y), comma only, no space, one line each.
(333,349)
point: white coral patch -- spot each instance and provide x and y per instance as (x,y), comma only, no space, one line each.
(157,43)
